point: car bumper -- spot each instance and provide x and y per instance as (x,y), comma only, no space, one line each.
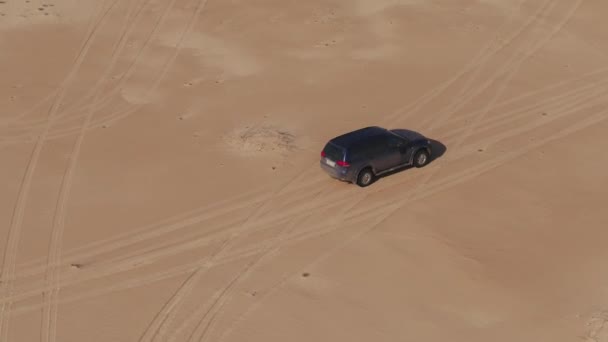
(340,173)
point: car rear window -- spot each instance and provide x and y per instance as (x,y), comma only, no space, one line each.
(333,152)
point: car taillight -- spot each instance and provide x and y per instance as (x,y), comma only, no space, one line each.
(342,163)
(323,154)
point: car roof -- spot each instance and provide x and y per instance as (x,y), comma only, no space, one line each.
(349,139)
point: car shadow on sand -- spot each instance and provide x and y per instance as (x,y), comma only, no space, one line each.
(438,149)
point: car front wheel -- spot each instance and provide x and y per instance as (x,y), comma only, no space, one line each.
(421,158)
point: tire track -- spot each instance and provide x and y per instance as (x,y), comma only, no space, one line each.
(79,106)
(54,93)
(522,97)
(514,68)
(157,328)
(127,72)
(183,243)
(201,314)
(189,26)
(359,219)
(471,173)
(25,137)
(35,124)
(514,132)
(509,133)
(222,298)
(217,298)
(485,53)
(533,19)
(476,66)
(107,98)
(421,186)
(127,112)
(463,98)
(457,123)
(510,68)
(467,115)
(152,231)
(157,252)
(206,327)
(589,101)
(50,309)
(178,270)
(137,261)
(33,109)
(416,105)
(458,179)
(533,111)
(472,66)
(165,317)
(493,100)
(434,188)
(10,255)
(205,314)
(154,253)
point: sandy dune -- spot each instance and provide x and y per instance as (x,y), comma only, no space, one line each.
(160,178)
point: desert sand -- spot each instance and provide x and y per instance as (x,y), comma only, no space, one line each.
(160,177)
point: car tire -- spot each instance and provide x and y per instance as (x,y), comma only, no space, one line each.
(421,158)
(365,177)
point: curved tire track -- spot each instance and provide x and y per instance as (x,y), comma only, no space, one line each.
(512,70)
(83,103)
(473,65)
(436,187)
(463,98)
(50,309)
(462,177)
(10,255)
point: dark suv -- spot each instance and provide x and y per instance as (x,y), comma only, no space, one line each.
(361,155)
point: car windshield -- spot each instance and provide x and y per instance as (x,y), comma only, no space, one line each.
(333,152)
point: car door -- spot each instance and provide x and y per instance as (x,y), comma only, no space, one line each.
(407,150)
(402,146)
(386,152)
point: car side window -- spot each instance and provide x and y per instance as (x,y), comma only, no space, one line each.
(394,141)
(357,152)
(361,151)
(378,145)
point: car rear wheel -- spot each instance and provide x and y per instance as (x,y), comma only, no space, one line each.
(421,158)
(365,177)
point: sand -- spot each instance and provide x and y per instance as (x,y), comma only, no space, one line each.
(160,178)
